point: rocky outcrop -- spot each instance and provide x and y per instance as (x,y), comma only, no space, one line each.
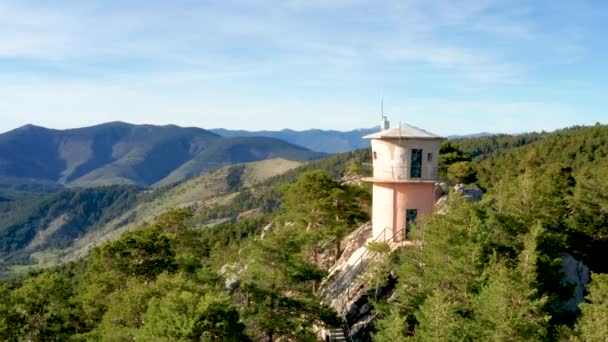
(442,189)
(351,179)
(576,274)
(230,273)
(345,289)
(340,287)
(471,192)
(267,229)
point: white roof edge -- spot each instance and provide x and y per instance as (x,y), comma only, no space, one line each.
(405,131)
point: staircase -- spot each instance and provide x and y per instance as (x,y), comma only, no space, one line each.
(350,274)
(337,335)
(341,288)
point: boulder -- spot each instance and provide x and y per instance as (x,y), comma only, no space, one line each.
(266,230)
(441,189)
(232,283)
(471,192)
(231,278)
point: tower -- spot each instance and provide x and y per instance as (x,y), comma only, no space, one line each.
(405,163)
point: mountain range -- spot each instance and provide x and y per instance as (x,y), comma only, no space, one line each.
(326,141)
(33,157)
(39,159)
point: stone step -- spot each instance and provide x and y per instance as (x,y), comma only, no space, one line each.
(336,335)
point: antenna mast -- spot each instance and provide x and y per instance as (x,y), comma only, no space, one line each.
(384,124)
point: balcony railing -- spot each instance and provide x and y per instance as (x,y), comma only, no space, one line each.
(405,172)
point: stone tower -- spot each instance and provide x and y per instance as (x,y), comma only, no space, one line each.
(405,163)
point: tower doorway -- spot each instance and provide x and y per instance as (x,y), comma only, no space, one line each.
(410,220)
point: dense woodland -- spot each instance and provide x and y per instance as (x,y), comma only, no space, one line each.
(485,271)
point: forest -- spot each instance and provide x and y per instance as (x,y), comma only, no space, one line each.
(482,271)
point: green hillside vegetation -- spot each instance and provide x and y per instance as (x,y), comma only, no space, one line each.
(39,159)
(486,271)
(67,224)
(163,281)
(202,195)
(491,270)
(495,145)
(54,222)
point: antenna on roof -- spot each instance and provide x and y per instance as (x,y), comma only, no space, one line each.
(385,124)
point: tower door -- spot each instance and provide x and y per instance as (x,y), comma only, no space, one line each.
(416,164)
(410,219)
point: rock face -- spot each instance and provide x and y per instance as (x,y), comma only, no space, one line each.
(471,192)
(351,179)
(345,291)
(230,273)
(268,228)
(577,273)
(340,288)
(441,189)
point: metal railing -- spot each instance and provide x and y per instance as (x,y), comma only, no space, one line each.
(347,277)
(405,172)
(346,329)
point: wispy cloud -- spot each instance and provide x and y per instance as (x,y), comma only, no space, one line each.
(280,51)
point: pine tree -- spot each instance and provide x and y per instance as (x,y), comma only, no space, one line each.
(391,328)
(508,307)
(277,286)
(316,202)
(593,323)
(44,308)
(438,319)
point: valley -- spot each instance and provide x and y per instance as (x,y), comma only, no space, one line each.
(264,240)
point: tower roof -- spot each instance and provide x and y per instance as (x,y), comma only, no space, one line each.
(405,131)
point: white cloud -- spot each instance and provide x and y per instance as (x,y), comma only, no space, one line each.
(140,60)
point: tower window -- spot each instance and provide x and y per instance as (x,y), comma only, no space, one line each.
(429,157)
(375,155)
(416,164)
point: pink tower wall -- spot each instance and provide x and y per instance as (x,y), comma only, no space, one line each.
(392,199)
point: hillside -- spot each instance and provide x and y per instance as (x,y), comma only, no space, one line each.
(563,178)
(493,266)
(67,224)
(32,225)
(327,141)
(201,194)
(37,158)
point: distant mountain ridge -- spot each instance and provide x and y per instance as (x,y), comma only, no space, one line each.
(122,153)
(326,141)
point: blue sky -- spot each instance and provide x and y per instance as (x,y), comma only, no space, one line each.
(451,67)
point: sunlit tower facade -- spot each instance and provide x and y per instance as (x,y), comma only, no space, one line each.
(405,164)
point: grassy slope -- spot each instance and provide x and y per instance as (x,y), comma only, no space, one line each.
(204,191)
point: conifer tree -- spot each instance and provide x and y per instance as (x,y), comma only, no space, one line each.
(593,323)
(438,319)
(44,308)
(508,307)
(318,203)
(277,286)
(391,328)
